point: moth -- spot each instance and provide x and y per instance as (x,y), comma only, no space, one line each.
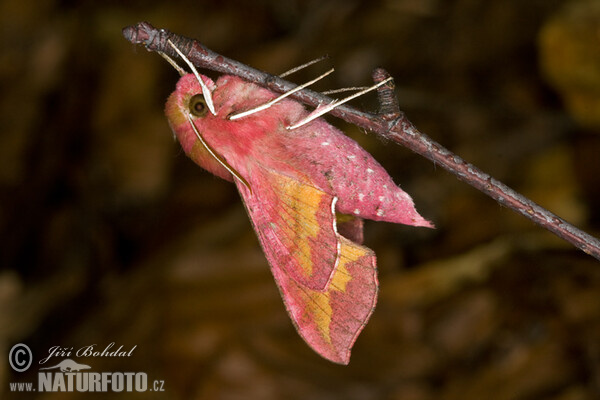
(306,187)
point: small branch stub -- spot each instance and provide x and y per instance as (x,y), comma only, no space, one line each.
(389,109)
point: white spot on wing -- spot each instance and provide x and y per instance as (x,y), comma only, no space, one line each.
(381,198)
(333,213)
(339,244)
(361,196)
(380,213)
(369,170)
(356,211)
(324,143)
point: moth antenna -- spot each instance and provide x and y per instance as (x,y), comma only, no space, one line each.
(324,109)
(283,96)
(205,90)
(173,63)
(217,157)
(308,64)
(348,89)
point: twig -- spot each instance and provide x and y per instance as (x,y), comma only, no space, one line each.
(390,122)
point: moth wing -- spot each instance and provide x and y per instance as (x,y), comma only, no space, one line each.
(295,224)
(330,320)
(331,317)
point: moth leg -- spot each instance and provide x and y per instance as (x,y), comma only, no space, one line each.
(298,68)
(324,109)
(277,99)
(173,63)
(340,90)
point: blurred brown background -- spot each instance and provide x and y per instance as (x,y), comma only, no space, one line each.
(110,234)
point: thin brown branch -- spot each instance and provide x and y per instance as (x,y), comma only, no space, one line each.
(390,123)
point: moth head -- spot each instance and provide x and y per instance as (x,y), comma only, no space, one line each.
(206,91)
(189,114)
(188,100)
(197,106)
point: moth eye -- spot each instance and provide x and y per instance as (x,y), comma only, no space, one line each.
(197,106)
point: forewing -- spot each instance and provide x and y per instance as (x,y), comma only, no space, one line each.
(328,283)
(330,320)
(295,224)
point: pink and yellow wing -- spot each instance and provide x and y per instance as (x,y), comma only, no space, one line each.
(295,223)
(330,320)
